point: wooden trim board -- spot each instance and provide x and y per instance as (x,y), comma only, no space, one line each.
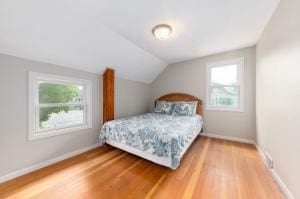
(248,141)
(108,95)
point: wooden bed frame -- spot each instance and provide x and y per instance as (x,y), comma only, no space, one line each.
(176,97)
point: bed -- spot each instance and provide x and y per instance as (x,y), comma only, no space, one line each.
(160,138)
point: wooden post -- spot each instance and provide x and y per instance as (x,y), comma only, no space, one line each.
(108,95)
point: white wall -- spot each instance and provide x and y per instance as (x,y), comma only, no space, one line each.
(189,77)
(278,92)
(131,98)
(16,152)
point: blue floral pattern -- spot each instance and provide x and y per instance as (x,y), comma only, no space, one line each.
(158,134)
(184,108)
(163,107)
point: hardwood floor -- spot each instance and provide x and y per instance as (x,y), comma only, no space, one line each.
(212,168)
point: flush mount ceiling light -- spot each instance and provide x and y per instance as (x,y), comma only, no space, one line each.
(162,31)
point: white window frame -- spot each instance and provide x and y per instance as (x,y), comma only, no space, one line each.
(33,102)
(240,63)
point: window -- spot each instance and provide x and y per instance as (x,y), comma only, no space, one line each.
(225,85)
(58,105)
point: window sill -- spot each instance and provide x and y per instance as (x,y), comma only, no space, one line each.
(36,136)
(226,110)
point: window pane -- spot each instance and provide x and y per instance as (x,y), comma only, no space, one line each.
(225,75)
(226,97)
(59,93)
(59,117)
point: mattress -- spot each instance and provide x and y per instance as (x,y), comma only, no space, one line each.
(160,138)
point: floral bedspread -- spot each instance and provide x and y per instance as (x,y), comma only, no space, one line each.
(158,134)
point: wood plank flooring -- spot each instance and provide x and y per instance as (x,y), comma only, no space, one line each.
(212,168)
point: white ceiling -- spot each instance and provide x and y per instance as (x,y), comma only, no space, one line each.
(52,31)
(92,34)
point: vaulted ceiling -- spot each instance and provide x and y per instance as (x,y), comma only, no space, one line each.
(92,34)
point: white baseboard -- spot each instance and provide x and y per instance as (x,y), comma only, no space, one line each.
(281,184)
(228,138)
(261,153)
(275,176)
(46,163)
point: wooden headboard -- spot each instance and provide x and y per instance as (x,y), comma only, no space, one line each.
(175,97)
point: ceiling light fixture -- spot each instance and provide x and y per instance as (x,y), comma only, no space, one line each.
(162,31)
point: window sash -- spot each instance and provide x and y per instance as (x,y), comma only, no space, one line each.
(238,73)
(225,85)
(225,107)
(37,116)
(58,82)
(62,81)
(60,104)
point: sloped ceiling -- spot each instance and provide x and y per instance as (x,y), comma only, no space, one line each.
(52,31)
(93,34)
